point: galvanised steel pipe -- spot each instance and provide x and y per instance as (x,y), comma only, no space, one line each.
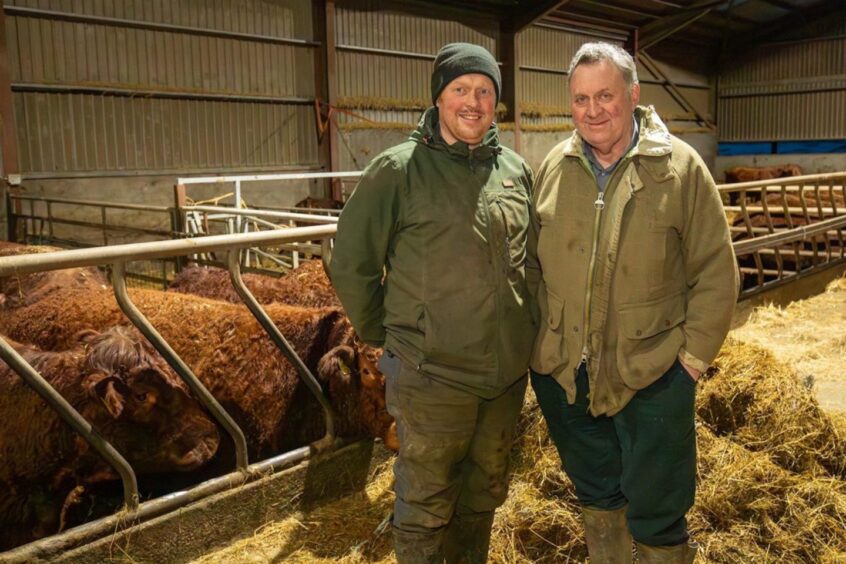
(73,418)
(26,264)
(282,343)
(47,548)
(746,246)
(196,387)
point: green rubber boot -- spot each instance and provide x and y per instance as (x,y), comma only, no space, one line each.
(468,538)
(684,553)
(418,548)
(607,536)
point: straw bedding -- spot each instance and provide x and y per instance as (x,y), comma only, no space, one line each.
(771,484)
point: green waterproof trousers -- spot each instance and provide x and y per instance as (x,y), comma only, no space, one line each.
(644,456)
(454,448)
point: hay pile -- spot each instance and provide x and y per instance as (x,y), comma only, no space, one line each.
(810,336)
(771,485)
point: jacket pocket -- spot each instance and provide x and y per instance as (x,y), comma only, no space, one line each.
(550,350)
(649,339)
(512,210)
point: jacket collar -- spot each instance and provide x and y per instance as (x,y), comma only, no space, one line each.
(428,133)
(653,140)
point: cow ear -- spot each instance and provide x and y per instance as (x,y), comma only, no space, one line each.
(338,360)
(105,389)
(85,336)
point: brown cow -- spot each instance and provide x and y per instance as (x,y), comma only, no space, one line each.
(229,352)
(751,174)
(319,204)
(128,394)
(26,289)
(306,286)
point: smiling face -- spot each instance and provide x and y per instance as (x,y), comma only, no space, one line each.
(466,108)
(602,107)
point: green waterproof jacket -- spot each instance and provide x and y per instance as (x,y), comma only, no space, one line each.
(429,258)
(632,278)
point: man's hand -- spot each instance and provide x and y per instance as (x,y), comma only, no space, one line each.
(694,373)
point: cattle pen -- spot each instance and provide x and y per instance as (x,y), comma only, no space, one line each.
(809,238)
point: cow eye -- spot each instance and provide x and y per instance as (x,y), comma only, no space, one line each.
(142,397)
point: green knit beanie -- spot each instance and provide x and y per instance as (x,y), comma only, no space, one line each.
(456,59)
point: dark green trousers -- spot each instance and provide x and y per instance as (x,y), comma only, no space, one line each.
(454,448)
(644,456)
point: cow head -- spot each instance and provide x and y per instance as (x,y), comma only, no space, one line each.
(356,388)
(141,407)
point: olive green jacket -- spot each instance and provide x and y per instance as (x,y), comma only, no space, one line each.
(449,226)
(633,282)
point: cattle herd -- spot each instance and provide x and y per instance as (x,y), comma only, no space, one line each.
(68,325)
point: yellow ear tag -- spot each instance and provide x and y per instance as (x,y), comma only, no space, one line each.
(345,370)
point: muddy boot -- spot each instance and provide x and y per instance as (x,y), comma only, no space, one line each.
(607,536)
(418,548)
(684,553)
(468,538)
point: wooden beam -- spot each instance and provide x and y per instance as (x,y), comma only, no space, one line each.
(524,16)
(323,15)
(655,31)
(8,132)
(791,21)
(509,54)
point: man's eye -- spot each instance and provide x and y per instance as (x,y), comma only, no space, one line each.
(605,96)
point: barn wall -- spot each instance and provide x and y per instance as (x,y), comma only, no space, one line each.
(114,99)
(788,91)
(93,97)
(385,53)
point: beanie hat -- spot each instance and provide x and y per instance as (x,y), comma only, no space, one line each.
(456,59)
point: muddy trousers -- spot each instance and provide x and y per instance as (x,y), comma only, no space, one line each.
(644,456)
(452,466)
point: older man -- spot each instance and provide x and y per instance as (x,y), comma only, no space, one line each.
(636,281)
(429,263)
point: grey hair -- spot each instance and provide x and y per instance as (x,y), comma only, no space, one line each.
(592,53)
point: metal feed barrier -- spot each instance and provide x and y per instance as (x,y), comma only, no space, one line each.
(786,228)
(117,256)
(235,218)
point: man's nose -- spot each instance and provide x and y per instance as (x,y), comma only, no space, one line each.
(593,107)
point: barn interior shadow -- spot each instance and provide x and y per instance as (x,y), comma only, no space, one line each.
(339,515)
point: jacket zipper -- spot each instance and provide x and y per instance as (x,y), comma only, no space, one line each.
(598,205)
(487,213)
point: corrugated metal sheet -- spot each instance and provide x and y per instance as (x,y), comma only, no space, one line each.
(784,92)
(366,23)
(544,89)
(77,132)
(789,62)
(382,76)
(78,53)
(550,48)
(275,18)
(820,115)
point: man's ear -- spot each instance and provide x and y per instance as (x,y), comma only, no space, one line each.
(635,94)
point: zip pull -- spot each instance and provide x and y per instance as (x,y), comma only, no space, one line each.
(599,204)
(585,355)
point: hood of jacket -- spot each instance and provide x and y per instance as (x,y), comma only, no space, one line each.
(653,141)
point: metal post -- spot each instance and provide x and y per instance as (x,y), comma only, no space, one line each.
(196,387)
(72,417)
(284,346)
